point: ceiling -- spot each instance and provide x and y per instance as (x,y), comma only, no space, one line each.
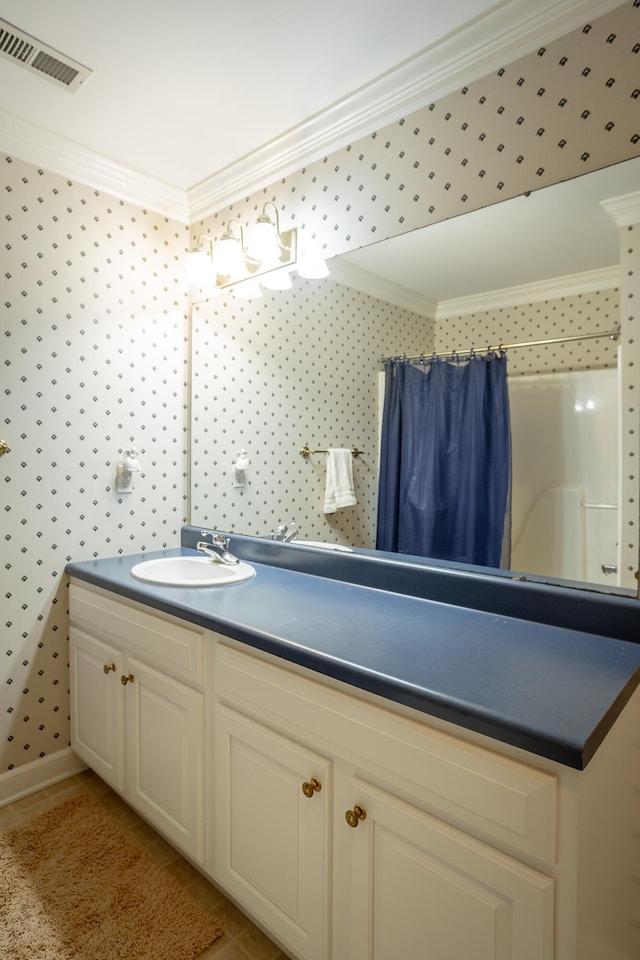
(188,93)
(196,103)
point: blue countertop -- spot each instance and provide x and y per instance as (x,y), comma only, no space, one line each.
(548,689)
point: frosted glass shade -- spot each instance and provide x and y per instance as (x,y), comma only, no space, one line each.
(200,270)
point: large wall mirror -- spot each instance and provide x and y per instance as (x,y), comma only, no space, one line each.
(302,366)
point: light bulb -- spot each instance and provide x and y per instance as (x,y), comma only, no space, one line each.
(265,243)
(247,290)
(199,268)
(311,266)
(277,280)
(229,258)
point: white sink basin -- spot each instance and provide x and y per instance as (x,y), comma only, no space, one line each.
(191,572)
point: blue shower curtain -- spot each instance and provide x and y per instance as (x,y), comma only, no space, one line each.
(445,465)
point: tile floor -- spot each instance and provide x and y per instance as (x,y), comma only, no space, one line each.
(241,940)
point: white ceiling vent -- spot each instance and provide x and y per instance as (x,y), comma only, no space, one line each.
(21,48)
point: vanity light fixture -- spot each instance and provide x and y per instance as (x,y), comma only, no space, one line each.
(249,289)
(312,266)
(277,280)
(200,270)
(266,244)
(265,261)
(230,257)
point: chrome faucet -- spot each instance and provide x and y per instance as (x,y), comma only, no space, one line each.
(217,549)
(285,532)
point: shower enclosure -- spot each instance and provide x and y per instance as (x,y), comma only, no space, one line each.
(565,443)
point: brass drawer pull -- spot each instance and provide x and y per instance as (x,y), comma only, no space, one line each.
(108,667)
(125,680)
(353,817)
(309,787)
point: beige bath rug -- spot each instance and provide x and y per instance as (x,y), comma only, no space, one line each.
(73,886)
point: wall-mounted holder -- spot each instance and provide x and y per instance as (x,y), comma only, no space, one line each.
(239,466)
(306,452)
(4,448)
(125,471)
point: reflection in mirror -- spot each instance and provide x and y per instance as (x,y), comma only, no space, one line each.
(555,232)
(274,374)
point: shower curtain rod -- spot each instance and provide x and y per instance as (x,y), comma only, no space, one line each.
(611,334)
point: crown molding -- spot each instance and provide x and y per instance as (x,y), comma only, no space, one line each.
(355,277)
(70,160)
(508,32)
(606,278)
(624,210)
(512,29)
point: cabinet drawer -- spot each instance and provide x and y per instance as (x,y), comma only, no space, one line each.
(166,643)
(495,796)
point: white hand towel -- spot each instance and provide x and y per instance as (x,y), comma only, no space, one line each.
(339,490)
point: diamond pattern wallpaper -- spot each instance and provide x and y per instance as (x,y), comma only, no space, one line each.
(560,112)
(96,327)
(302,367)
(94,360)
(564,110)
(277,373)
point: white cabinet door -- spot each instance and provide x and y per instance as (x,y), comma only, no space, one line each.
(272,809)
(97,722)
(165,754)
(420,888)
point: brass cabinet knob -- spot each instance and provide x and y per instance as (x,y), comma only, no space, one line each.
(309,787)
(125,680)
(353,817)
(108,667)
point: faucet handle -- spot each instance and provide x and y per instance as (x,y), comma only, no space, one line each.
(285,531)
(216,537)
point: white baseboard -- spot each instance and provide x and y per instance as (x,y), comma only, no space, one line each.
(41,773)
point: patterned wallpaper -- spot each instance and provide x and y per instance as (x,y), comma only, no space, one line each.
(564,110)
(94,359)
(302,367)
(96,354)
(273,374)
(545,320)
(629,386)
(560,112)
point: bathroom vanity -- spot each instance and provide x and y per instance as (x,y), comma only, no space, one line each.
(376,757)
